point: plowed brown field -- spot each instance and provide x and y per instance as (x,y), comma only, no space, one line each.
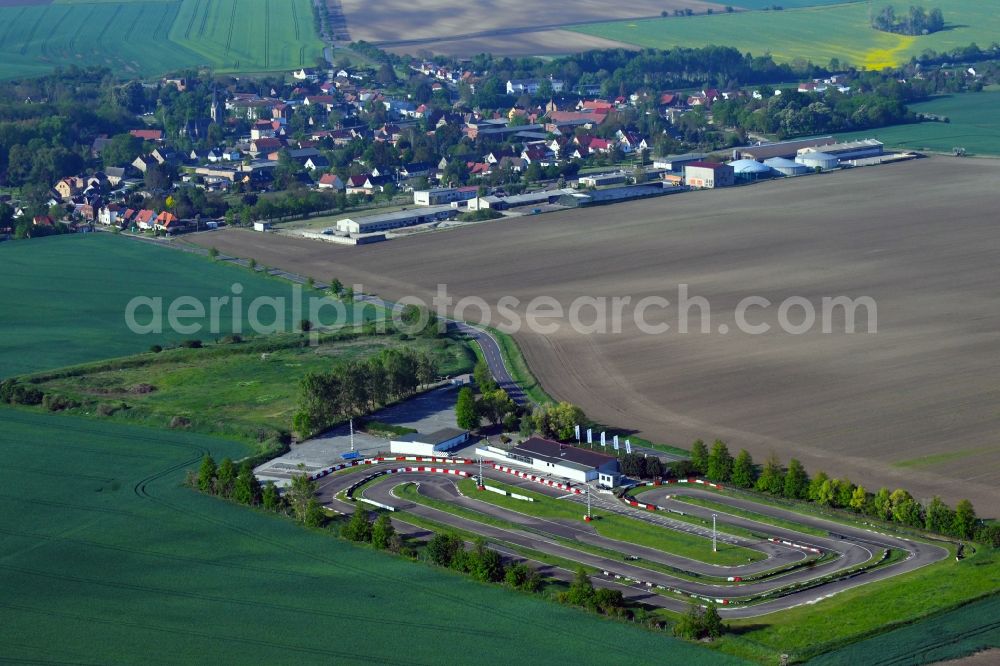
(916,405)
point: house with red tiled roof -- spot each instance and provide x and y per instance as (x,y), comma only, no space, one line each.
(330,181)
(167,222)
(145,219)
(265,145)
(148,134)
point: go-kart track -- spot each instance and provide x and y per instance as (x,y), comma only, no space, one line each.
(797,567)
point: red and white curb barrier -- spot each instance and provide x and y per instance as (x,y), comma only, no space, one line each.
(374,461)
(538,479)
(632,581)
(790,544)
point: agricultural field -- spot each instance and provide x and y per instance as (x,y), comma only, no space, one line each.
(811,33)
(237,391)
(974,125)
(869,407)
(502,27)
(105,555)
(138,38)
(67,296)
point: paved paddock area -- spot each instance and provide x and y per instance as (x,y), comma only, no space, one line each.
(426,412)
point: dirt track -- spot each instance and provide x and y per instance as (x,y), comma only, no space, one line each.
(913,406)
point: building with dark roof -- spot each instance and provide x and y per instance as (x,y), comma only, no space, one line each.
(436,443)
(567,461)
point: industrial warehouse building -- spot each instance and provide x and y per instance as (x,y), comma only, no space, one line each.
(708,175)
(442,195)
(602,179)
(433,444)
(395,220)
(616,194)
(853,150)
(677,162)
(787,149)
(816,159)
(527,199)
(567,461)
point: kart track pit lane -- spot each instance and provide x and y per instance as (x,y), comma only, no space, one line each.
(852,546)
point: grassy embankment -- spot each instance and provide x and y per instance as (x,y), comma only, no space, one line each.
(247,391)
(752,515)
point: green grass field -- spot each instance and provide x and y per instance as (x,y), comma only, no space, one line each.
(235,391)
(104,556)
(65,297)
(975,126)
(150,37)
(812,33)
(615,526)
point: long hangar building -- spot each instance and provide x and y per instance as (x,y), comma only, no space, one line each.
(565,460)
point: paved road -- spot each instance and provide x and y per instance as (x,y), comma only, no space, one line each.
(539,534)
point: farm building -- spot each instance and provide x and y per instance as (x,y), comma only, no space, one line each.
(749,170)
(601,179)
(615,195)
(786,167)
(852,150)
(708,175)
(815,158)
(567,461)
(677,162)
(395,220)
(787,149)
(432,444)
(527,199)
(441,196)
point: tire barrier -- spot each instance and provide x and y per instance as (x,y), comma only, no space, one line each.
(501,491)
(537,479)
(377,505)
(627,580)
(326,471)
(790,544)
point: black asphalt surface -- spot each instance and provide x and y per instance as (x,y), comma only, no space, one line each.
(856,546)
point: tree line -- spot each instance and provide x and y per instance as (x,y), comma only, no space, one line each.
(355,388)
(793,482)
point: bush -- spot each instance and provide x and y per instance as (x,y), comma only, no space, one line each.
(180,422)
(156,349)
(108,409)
(191,344)
(26,395)
(57,403)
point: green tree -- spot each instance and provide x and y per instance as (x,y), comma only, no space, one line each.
(247,488)
(711,622)
(859,498)
(382,531)
(495,405)
(225,477)
(442,548)
(466,412)
(690,624)
(301,490)
(772,479)
(882,503)
(796,484)
(206,474)
(483,378)
(900,500)
(336,287)
(699,456)
(270,497)
(816,486)
(720,462)
(522,577)
(939,518)
(581,590)
(358,528)
(743,470)
(315,516)
(965,520)
(487,565)
(527,427)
